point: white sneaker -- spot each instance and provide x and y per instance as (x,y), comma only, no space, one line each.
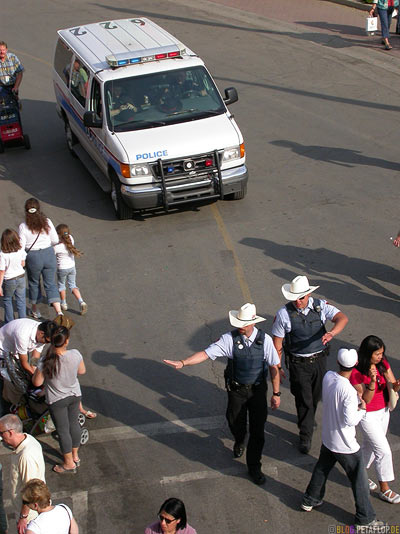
(375,526)
(84,307)
(35,314)
(372,485)
(64,306)
(309,507)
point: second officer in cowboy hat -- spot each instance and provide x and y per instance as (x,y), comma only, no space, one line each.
(250,354)
(299,328)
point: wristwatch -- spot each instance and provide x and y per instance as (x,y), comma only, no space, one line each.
(22,516)
(278,394)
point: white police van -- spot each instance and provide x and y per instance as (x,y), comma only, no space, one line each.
(144,116)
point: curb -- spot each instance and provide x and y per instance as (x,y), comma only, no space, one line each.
(352,3)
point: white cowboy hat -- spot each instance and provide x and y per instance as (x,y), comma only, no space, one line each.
(298,287)
(245,316)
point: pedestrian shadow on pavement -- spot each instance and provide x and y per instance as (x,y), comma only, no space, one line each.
(344,157)
(344,29)
(328,268)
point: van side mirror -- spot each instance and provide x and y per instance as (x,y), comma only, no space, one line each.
(91,120)
(231,96)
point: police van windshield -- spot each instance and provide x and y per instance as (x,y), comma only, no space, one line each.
(161,99)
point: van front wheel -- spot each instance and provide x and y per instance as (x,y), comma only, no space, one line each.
(121,209)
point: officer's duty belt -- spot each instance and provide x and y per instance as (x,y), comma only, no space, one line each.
(307,359)
(237,385)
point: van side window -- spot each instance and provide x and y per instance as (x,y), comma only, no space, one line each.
(79,81)
(96,103)
(62,61)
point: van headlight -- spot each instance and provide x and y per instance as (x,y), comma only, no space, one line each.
(134,170)
(140,169)
(235,152)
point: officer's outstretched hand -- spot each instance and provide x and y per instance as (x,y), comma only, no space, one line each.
(275,402)
(178,364)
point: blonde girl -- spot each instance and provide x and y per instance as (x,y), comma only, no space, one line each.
(66,272)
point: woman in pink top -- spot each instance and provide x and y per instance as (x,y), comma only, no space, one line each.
(171,519)
(370,379)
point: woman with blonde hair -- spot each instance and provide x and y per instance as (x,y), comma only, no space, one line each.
(56,519)
(37,235)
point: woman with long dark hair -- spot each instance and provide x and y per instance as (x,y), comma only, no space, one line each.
(370,378)
(37,235)
(58,369)
(171,519)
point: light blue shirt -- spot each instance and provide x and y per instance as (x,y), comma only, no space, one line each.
(224,347)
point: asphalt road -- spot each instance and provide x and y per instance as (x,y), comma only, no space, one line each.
(318,113)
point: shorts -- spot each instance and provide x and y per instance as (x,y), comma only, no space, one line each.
(66,277)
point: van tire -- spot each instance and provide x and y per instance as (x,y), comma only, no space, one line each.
(238,195)
(70,138)
(122,211)
(27,142)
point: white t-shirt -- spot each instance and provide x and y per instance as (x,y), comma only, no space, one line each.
(340,414)
(65,259)
(56,521)
(19,337)
(44,240)
(10,262)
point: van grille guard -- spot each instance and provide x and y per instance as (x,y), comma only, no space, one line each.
(182,171)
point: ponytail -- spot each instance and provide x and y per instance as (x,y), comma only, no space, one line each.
(51,361)
(65,238)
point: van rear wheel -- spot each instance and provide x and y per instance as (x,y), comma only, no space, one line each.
(122,211)
(70,138)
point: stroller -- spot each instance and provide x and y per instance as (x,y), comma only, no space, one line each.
(10,121)
(32,408)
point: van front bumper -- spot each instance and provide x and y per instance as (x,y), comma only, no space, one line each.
(146,196)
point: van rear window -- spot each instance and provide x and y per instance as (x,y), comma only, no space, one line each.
(161,99)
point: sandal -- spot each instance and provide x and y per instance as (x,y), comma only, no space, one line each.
(90,415)
(388,47)
(77,462)
(60,469)
(372,485)
(390,496)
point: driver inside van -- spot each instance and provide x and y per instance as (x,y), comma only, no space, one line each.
(120,104)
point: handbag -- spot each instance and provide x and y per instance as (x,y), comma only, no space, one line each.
(393,396)
(371,25)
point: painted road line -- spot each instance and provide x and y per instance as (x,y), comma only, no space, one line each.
(201,475)
(230,246)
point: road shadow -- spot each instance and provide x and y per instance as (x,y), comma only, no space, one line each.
(344,157)
(327,268)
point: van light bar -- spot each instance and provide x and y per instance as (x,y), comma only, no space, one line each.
(145,55)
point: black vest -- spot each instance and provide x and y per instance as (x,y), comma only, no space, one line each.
(247,365)
(306,332)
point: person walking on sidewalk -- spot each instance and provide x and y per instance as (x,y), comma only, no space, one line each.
(250,354)
(37,235)
(299,329)
(12,275)
(385,12)
(342,411)
(66,271)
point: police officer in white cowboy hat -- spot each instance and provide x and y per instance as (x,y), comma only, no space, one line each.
(250,353)
(299,328)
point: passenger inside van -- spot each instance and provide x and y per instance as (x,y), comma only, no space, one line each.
(79,82)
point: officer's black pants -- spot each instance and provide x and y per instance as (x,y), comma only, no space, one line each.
(254,401)
(306,386)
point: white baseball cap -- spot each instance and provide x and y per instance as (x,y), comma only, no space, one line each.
(347,357)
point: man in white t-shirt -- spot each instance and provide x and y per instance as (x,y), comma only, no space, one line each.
(22,337)
(342,411)
(27,462)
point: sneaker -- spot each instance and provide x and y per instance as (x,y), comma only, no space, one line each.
(257,477)
(304,446)
(35,314)
(309,507)
(390,496)
(83,306)
(64,306)
(372,485)
(238,450)
(370,528)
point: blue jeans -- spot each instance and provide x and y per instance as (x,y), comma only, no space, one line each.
(42,262)
(66,277)
(355,470)
(15,287)
(385,16)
